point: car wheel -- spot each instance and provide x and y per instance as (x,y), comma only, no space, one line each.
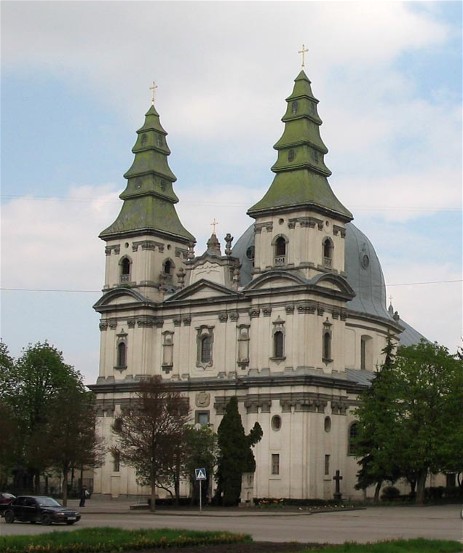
(70,522)
(9,517)
(46,520)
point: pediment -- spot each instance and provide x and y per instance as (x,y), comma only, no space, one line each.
(276,279)
(332,282)
(202,289)
(120,296)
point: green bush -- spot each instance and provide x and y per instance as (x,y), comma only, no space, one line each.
(390,493)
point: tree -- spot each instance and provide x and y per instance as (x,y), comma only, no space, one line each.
(201,451)
(373,428)
(28,386)
(72,433)
(152,427)
(419,424)
(235,453)
(8,422)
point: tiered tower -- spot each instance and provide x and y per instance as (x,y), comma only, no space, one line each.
(300,224)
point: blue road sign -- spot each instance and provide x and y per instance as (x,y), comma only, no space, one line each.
(200,474)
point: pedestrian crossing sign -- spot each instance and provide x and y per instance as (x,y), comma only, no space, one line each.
(200,474)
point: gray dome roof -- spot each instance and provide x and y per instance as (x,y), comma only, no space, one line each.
(363,270)
(363,273)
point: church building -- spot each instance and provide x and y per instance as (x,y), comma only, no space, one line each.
(291,319)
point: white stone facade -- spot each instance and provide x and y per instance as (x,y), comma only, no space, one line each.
(280,321)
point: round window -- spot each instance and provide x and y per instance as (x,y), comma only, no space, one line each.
(276,422)
(327,424)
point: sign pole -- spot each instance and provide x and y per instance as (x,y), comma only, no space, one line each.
(200,474)
(200,496)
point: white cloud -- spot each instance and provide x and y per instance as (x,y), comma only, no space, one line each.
(57,238)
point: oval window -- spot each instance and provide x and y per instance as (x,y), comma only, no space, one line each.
(276,422)
(327,424)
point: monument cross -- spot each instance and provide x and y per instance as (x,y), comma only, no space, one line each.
(303,52)
(337,478)
(213,225)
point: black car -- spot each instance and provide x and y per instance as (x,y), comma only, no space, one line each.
(37,508)
(5,500)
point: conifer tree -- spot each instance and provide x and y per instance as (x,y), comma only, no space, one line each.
(235,454)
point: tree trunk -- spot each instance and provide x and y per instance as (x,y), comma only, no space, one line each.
(420,485)
(153,496)
(377,490)
(177,490)
(65,487)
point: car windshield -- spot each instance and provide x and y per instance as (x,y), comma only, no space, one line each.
(47,502)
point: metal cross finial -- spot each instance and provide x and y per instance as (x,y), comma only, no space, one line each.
(153,92)
(303,52)
(213,225)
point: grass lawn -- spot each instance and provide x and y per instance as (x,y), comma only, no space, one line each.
(88,540)
(105,540)
(396,546)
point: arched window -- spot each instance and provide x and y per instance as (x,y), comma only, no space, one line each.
(121,355)
(206,349)
(327,252)
(280,250)
(125,269)
(204,346)
(168,267)
(278,344)
(327,346)
(353,432)
(280,246)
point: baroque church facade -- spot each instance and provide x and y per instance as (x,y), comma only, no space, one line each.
(291,320)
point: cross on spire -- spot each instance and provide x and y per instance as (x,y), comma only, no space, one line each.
(153,92)
(213,225)
(303,52)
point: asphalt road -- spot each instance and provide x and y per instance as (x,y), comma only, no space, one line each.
(372,524)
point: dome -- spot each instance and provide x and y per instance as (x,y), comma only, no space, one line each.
(363,270)
(364,274)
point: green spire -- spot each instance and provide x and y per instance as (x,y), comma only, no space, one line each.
(301,173)
(149,197)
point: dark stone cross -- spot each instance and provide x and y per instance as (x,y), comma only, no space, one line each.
(337,478)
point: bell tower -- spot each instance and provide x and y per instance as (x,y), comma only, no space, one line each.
(147,245)
(300,223)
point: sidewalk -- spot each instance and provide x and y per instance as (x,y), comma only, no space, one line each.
(129,507)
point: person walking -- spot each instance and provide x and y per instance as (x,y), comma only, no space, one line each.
(83,496)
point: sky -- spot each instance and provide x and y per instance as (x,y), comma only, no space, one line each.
(75,85)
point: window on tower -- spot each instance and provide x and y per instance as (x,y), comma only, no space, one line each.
(167,273)
(126,266)
(278,339)
(328,252)
(121,355)
(326,354)
(280,246)
(278,344)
